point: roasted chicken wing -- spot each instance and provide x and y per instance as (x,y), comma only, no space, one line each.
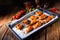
(33,17)
(26,21)
(33,21)
(48,18)
(37,25)
(38,13)
(28,29)
(43,16)
(19,26)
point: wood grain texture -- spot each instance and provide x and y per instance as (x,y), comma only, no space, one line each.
(9,36)
(2,31)
(52,32)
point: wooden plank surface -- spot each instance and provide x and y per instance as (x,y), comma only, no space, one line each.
(3,21)
(2,31)
(9,36)
(52,32)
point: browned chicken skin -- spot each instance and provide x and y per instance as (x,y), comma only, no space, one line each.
(28,29)
(43,16)
(33,17)
(33,21)
(38,13)
(25,21)
(49,18)
(19,26)
(37,25)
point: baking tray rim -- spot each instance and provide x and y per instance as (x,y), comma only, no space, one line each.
(33,32)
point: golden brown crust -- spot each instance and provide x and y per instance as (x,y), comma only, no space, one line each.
(25,21)
(28,29)
(43,16)
(19,26)
(38,13)
(49,18)
(33,21)
(33,17)
(37,25)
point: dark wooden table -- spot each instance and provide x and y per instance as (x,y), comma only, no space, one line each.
(52,32)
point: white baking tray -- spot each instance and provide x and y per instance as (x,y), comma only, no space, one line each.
(20,34)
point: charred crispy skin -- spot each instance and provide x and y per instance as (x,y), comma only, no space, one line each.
(37,25)
(38,13)
(48,18)
(33,17)
(28,29)
(19,26)
(25,21)
(43,16)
